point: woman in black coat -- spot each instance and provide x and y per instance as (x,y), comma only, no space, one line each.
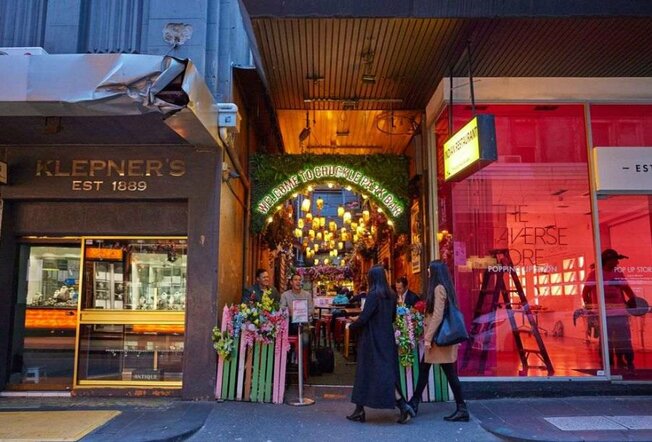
(376,374)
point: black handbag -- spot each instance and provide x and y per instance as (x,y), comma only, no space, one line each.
(452,330)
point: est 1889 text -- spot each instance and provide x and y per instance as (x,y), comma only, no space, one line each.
(114,186)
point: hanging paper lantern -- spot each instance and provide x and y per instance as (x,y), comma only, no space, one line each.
(308,217)
(300,223)
(365,215)
(320,203)
(355,237)
(305,205)
(298,233)
(340,211)
(322,221)
(311,234)
(340,245)
(318,236)
(316,248)
(326,261)
(354,226)
(316,262)
(347,217)
(332,226)
(361,220)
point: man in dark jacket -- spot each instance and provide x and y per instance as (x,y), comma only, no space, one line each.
(405,295)
(255,292)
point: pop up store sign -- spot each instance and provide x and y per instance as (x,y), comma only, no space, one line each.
(471,148)
(623,170)
(383,178)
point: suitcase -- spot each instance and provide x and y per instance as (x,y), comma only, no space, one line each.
(325,359)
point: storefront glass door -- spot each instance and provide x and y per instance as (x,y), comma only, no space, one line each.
(626,239)
(45,317)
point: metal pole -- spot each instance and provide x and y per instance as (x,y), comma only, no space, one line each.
(302,401)
(595,218)
(468,49)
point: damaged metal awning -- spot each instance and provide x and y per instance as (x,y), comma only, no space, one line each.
(111,85)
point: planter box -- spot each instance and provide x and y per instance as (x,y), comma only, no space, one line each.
(255,372)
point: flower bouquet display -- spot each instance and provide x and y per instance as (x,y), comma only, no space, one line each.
(252,346)
(408,334)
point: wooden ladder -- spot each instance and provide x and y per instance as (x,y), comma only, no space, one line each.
(494,286)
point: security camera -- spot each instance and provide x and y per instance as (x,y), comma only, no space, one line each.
(228,116)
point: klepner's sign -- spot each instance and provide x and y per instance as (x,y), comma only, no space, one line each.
(340,173)
(623,170)
(471,148)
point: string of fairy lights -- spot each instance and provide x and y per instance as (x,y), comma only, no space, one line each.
(327,236)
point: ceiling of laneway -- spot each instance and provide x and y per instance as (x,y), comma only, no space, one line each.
(318,60)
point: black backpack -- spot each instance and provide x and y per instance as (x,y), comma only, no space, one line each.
(325,359)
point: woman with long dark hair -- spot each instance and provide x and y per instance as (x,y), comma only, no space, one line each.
(376,373)
(440,291)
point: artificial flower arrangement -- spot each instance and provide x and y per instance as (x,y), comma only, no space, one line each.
(408,329)
(257,321)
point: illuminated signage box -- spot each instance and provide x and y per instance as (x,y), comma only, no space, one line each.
(471,148)
(103,254)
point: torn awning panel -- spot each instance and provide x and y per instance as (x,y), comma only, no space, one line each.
(95,84)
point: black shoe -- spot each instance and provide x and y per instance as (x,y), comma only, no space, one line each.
(407,412)
(414,403)
(357,415)
(461,414)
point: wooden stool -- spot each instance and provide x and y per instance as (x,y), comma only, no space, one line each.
(294,343)
(323,330)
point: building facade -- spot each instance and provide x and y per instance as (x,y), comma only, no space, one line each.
(125,232)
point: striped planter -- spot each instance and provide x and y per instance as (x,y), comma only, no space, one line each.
(254,372)
(437,389)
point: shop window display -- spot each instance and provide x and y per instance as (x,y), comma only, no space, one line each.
(135,275)
(132,318)
(526,216)
(626,228)
(43,337)
(130,353)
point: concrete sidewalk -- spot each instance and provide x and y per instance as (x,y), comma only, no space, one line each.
(596,418)
(142,419)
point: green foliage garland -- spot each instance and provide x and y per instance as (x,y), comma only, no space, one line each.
(267,171)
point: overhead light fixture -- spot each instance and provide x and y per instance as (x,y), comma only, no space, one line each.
(368,78)
(349,104)
(305,132)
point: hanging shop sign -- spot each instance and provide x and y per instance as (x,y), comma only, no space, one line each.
(621,170)
(103,254)
(88,172)
(471,148)
(3,172)
(383,178)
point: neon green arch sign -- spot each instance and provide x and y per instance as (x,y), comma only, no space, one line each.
(383,178)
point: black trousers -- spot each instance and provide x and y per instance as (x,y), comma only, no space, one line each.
(450,370)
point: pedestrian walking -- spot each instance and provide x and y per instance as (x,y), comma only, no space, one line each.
(440,291)
(376,374)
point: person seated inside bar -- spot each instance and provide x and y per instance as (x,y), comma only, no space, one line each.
(296,292)
(255,292)
(404,294)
